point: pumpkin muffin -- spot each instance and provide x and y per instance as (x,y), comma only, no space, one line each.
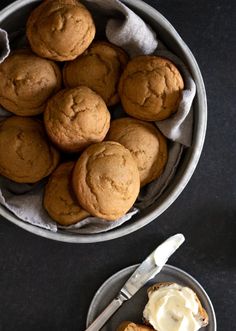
(76,118)
(99,68)
(60,30)
(150,88)
(26,156)
(106,180)
(146,144)
(130,326)
(59,199)
(26,82)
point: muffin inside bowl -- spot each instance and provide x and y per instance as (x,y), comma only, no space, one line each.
(11,20)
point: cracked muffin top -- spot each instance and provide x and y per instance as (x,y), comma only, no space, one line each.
(146,144)
(106,180)
(59,198)
(60,30)
(26,156)
(150,88)
(76,118)
(99,68)
(26,82)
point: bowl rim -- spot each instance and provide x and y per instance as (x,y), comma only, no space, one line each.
(196,148)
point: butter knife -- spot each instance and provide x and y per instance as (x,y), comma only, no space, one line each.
(149,268)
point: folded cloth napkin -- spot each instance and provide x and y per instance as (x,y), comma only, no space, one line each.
(123,28)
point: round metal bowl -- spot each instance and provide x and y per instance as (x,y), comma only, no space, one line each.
(13,17)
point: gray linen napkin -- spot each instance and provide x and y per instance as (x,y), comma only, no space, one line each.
(25,201)
(97,225)
(123,28)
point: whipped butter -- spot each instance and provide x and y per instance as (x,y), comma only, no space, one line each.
(172,308)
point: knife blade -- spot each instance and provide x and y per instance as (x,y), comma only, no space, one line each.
(149,268)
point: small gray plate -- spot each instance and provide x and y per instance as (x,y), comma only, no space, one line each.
(132,309)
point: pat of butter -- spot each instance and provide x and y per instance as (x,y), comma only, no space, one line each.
(172,308)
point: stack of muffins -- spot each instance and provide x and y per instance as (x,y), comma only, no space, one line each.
(59,92)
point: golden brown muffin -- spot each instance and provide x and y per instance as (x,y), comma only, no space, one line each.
(26,82)
(150,88)
(76,118)
(59,199)
(130,326)
(173,303)
(60,30)
(99,68)
(26,156)
(106,180)
(146,144)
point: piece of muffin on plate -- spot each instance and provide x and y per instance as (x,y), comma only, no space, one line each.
(130,326)
(173,307)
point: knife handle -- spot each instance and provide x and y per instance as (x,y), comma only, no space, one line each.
(106,313)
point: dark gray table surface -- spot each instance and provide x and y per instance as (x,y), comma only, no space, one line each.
(47,285)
